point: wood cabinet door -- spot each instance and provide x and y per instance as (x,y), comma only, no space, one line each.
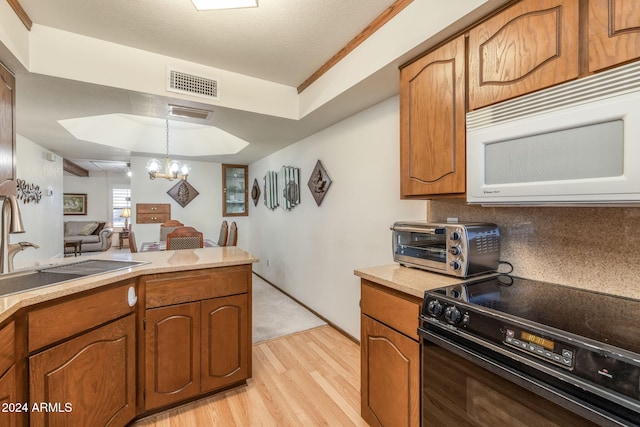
(172,354)
(226,348)
(7,132)
(8,396)
(390,376)
(614,33)
(529,46)
(87,381)
(432,123)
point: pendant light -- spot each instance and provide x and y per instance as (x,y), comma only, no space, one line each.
(173,169)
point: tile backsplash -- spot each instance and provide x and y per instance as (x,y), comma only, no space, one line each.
(591,248)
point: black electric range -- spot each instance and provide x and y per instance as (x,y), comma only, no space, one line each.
(580,344)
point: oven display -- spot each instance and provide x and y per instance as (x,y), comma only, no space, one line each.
(545,343)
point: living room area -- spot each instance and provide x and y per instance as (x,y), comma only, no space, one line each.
(103,194)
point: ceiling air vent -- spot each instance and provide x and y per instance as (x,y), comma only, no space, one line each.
(190,84)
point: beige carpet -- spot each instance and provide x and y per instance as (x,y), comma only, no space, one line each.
(275,314)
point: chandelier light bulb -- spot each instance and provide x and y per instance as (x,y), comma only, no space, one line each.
(174,166)
(185,169)
(153,165)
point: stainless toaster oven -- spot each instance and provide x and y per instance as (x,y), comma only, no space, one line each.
(456,249)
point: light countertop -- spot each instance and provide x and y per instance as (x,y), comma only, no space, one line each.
(157,262)
(411,281)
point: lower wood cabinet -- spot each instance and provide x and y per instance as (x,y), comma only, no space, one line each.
(8,396)
(89,380)
(195,348)
(390,358)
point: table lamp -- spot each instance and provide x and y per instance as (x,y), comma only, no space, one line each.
(126,214)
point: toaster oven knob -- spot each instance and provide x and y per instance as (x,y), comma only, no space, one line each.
(435,308)
(455,265)
(454,236)
(453,315)
(454,250)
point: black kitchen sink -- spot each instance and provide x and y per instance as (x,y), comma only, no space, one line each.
(25,281)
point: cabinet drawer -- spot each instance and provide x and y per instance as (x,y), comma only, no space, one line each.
(176,288)
(396,311)
(153,208)
(57,322)
(7,346)
(152,218)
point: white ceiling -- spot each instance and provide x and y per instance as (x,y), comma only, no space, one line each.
(282,41)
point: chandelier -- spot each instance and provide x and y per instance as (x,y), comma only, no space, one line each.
(173,169)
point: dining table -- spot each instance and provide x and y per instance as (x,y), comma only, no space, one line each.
(162,245)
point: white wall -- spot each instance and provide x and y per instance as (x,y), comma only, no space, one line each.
(204,213)
(42,221)
(311,251)
(97,186)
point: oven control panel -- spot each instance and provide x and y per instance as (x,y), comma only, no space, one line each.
(541,347)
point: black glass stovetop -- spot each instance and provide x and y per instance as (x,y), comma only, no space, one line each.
(605,318)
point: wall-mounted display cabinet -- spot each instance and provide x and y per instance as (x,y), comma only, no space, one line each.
(235,190)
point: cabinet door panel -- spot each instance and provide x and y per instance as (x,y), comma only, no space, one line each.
(432,117)
(614,33)
(8,394)
(225,349)
(529,46)
(7,131)
(390,376)
(94,373)
(172,341)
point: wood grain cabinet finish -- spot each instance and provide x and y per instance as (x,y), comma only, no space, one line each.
(8,384)
(94,373)
(390,360)
(432,123)
(614,33)
(172,366)
(7,132)
(226,339)
(153,213)
(197,333)
(9,395)
(528,46)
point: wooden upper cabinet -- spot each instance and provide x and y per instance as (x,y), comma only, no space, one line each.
(432,123)
(7,132)
(614,33)
(528,46)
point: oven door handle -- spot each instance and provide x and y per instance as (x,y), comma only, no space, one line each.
(532,384)
(424,230)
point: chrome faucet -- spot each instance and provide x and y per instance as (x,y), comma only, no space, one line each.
(10,223)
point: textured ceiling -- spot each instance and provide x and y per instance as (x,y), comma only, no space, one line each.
(283,41)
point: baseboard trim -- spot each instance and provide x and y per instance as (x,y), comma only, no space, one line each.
(330,323)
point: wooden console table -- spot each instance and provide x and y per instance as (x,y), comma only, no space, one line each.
(75,244)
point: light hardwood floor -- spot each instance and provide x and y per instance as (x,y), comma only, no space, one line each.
(310,378)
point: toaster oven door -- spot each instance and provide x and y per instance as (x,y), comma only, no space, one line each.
(421,247)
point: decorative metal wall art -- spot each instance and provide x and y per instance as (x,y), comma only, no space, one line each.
(183,193)
(27,192)
(255,192)
(271,190)
(289,186)
(319,182)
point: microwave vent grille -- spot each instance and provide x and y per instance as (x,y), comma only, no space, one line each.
(615,82)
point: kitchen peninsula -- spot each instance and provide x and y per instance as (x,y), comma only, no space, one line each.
(108,348)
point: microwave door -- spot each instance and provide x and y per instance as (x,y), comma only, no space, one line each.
(573,155)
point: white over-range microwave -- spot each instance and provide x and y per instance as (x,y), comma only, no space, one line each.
(573,144)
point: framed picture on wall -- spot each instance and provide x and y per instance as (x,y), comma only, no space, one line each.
(74,204)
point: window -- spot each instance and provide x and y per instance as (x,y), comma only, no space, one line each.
(121,198)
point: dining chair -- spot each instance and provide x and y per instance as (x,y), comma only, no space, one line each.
(132,242)
(224,229)
(168,227)
(184,238)
(233,235)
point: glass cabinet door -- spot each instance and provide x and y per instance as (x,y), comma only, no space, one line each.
(235,190)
